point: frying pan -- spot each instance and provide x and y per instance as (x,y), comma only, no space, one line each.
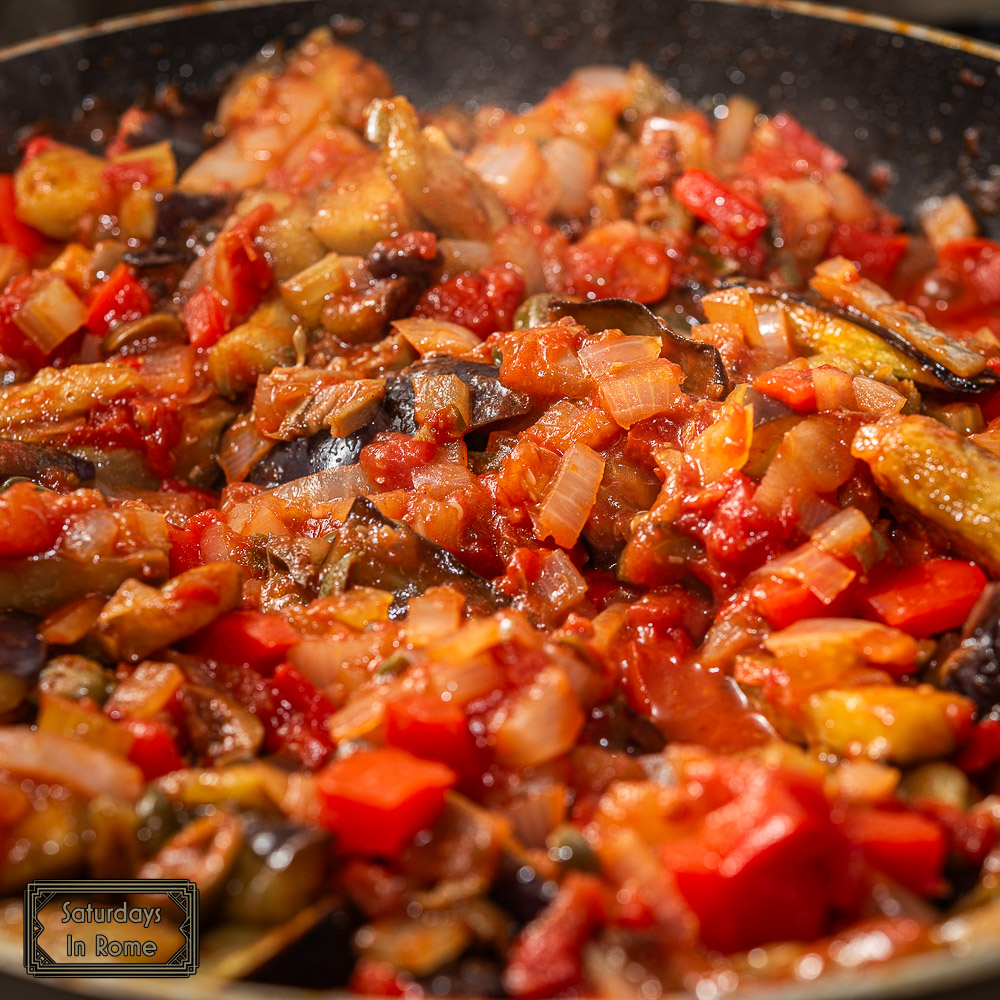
(915,109)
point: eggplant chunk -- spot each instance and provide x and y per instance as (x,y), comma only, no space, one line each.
(50,467)
(22,656)
(491,401)
(912,349)
(704,372)
(386,554)
(933,472)
(973,668)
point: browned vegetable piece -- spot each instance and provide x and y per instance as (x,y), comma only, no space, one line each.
(370,550)
(973,669)
(204,851)
(38,585)
(950,483)
(22,656)
(219,727)
(704,372)
(140,618)
(51,467)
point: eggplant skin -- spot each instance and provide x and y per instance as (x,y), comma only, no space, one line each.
(951,484)
(973,668)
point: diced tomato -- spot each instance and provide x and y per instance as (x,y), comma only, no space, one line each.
(906,846)
(154,751)
(15,344)
(763,866)
(242,273)
(206,317)
(925,599)
(798,143)
(151,426)
(736,216)
(875,253)
(377,801)
(977,262)
(970,835)
(484,302)
(298,721)
(185,543)
(120,299)
(20,236)
(30,520)
(546,957)
(37,145)
(251,637)
(428,727)
(740,536)
(613,263)
(983,747)
(792,386)
(124,176)
(374,978)
(390,459)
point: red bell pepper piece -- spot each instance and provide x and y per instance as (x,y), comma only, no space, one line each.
(925,599)
(121,299)
(154,751)
(763,866)
(983,747)
(376,802)
(735,215)
(12,230)
(256,639)
(185,543)
(792,386)
(13,342)
(906,846)
(242,272)
(390,459)
(427,727)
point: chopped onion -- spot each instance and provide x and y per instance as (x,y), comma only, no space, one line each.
(734,305)
(441,479)
(640,390)
(571,495)
(733,132)
(775,337)
(463,255)
(518,246)
(602,81)
(946,219)
(341,482)
(441,392)
(476,637)
(434,614)
(574,166)
(877,397)
(90,535)
(53,758)
(824,575)
(600,355)
(170,370)
(560,584)
(241,448)
(519,174)
(436,336)
(848,201)
(843,533)
(12,262)
(359,717)
(814,511)
(464,680)
(538,723)
(834,389)
(50,314)
(724,446)
(536,812)
(813,457)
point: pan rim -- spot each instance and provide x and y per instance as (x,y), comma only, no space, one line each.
(808,8)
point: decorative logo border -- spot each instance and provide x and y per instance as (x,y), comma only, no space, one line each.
(182,964)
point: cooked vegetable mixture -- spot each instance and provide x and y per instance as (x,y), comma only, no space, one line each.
(500,554)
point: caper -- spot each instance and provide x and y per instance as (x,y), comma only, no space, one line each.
(568,848)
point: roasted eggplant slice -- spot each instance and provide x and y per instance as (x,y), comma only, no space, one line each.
(41,464)
(973,669)
(936,474)
(705,374)
(370,550)
(913,350)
